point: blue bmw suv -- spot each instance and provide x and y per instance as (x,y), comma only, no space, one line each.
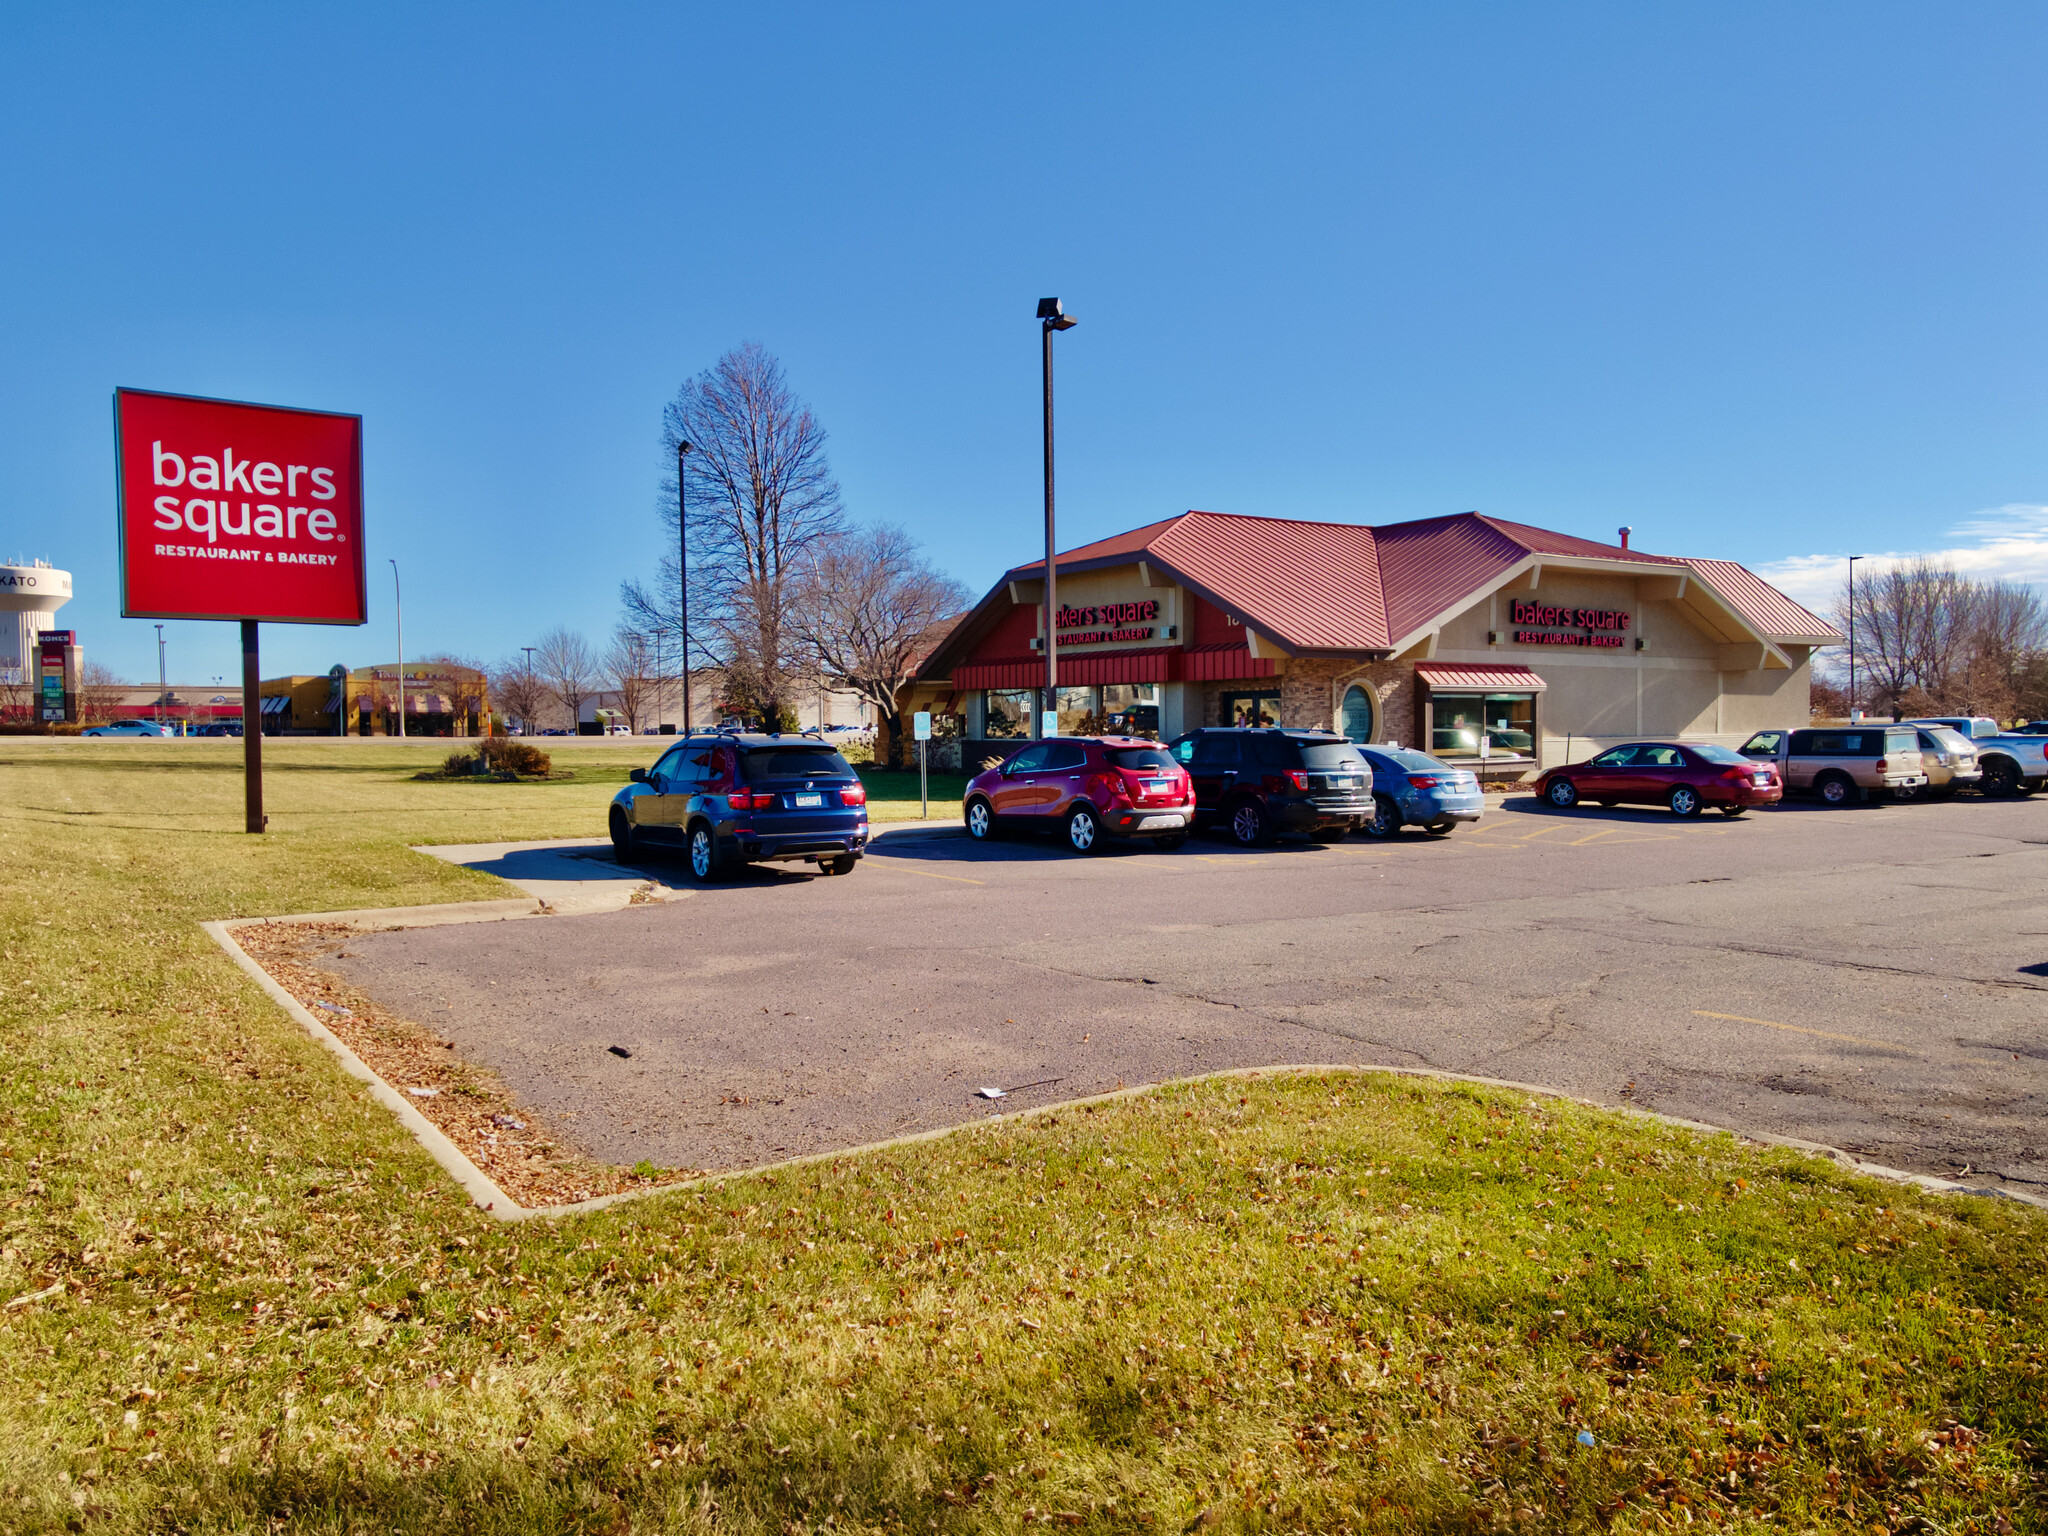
(728,800)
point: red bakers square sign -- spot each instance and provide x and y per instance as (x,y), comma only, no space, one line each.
(232,511)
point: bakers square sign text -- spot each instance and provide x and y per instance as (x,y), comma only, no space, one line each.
(1601,628)
(233,511)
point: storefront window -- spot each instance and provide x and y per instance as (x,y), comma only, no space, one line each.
(1131,709)
(1251,708)
(1009,713)
(1077,712)
(1506,722)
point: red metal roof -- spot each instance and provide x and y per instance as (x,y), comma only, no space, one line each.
(1762,606)
(1344,587)
(1463,674)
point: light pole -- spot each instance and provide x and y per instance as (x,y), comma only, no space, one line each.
(1852,632)
(1052,318)
(161,686)
(683,566)
(527,720)
(398,611)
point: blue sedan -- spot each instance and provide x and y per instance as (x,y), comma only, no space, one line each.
(1414,789)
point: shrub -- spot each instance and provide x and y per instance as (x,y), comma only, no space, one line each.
(508,754)
(458,763)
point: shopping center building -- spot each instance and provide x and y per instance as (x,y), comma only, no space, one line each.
(1498,644)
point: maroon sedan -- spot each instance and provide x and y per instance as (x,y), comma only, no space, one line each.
(1683,776)
(1085,789)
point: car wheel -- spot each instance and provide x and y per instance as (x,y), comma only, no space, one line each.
(1684,801)
(981,821)
(1562,793)
(1441,828)
(843,865)
(622,837)
(1733,811)
(1836,790)
(1084,832)
(705,864)
(1386,817)
(2001,778)
(1248,824)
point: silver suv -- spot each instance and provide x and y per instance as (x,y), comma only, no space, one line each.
(1950,759)
(1844,764)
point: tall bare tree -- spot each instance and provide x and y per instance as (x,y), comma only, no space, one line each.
(761,498)
(628,671)
(519,690)
(1931,640)
(869,609)
(568,669)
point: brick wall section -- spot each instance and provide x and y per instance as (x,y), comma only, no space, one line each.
(1310,692)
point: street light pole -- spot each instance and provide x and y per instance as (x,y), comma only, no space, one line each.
(1852,632)
(161,686)
(398,610)
(1052,318)
(683,566)
(527,720)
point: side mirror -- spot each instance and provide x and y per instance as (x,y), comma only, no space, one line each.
(638,776)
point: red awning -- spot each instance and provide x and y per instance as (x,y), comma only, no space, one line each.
(1467,677)
(1219,663)
(1152,664)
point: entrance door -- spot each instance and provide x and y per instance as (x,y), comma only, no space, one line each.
(1251,708)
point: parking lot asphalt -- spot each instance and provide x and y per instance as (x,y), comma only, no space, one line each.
(1873,978)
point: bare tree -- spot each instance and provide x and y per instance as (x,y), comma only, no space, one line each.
(628,671)
(519,690)
(99,692)
(869,610)
(567,669)
(761,498)
(1930,640)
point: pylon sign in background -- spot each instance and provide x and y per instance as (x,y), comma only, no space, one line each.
(235,511)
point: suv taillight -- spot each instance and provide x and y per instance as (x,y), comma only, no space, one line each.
(853,794)
(1295,777)
(743,801)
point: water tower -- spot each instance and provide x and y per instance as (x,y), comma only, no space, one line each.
(30,596)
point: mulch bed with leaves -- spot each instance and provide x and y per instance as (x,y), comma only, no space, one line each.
(533,1162)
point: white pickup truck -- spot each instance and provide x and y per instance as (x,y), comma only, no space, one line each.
(2012,765)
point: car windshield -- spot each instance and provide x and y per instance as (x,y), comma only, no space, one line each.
(1718,754)
(1323,756)
(1139,759)
(796,763)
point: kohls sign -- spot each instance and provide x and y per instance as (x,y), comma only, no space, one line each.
(232,511)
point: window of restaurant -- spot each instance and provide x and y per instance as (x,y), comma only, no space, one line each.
(1355,715)
(1250,708)
(1077,712)
(1131,709)
(1009,712)
(1503,723)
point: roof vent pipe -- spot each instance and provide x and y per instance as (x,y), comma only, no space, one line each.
(1625,532)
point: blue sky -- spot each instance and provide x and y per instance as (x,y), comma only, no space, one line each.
(1761,281)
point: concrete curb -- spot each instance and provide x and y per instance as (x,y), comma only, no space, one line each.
(913,831)
(474,1181)
(379,919)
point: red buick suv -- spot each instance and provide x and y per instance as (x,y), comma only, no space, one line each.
(1085,789)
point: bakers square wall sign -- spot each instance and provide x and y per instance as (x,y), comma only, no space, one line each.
(235,511)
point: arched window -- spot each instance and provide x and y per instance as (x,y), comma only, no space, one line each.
(1355,719)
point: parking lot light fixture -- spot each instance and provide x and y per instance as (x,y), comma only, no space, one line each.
(1852,632)
(683,566)
(1051,317)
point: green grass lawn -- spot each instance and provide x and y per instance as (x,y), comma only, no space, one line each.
(234,1296)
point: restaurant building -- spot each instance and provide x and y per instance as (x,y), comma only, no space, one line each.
(1506,647)
(442,698)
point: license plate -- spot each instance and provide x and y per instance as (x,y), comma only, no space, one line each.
(1343,783)
(1158,786)
(1761,778)
(807,802)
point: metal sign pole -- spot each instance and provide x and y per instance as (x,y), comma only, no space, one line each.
(924,799)
(253,818)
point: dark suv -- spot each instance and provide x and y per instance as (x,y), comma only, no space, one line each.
(1262,783)
(1085,788)
(730,799)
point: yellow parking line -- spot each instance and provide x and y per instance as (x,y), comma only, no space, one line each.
(933,875)
(1800,1029)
